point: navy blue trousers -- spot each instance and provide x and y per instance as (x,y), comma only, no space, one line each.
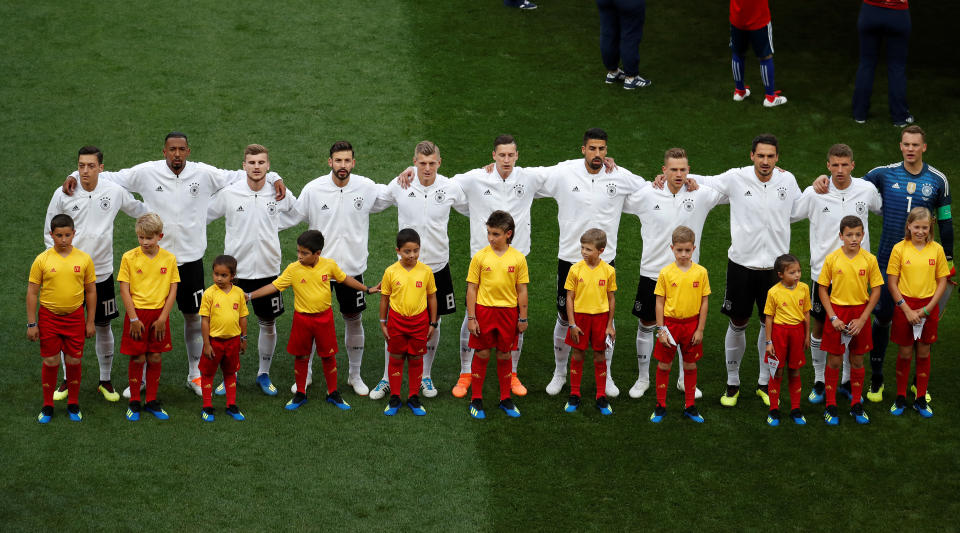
(879,27)
(621,29)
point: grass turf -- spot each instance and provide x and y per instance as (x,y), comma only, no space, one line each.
(298,76)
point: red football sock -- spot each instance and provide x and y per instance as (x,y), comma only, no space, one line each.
(773,391)
(134,376)
(830,378)
(415,373)
(395,374)
(153,380)
(856,383)
(903,375)
(793,382)
(923,375)
(73,383)
(600,374)
(301,366)
(662,377)
(48,378)
(478,372)
(206,389)
(576,375)
(329,372)
(230,382)
(689,386)
(504,376)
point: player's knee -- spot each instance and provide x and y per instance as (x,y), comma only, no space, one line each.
(739,324)
(71,360)
(647,327)
(351,316)
(53,360)
(101,323)
(562,320)
(153,358)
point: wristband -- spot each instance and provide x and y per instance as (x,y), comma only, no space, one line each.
(521,320)
(769,343)
(32,325)
(135,319)
(834,317)
(900,302)
(925,312)
(434,324)
(243,337)
(471,318)
(571,326)
(383,320)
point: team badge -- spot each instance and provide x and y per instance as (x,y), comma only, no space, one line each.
(611,189)
(163,270)
(861,208)
(696,284)
(911,187)
(863,272)
(782,193)
(518,190)
(358,203)
(933,262)
(419,284)
(236,306)
(440,196)
(272,208)
(324,278)
(603,283)
(105,203)
(194,189)
(76,268)
(687,205)
(926,190)
(510,269)
(217,305)
(801,302)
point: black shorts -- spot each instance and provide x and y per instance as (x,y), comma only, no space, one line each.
(563,268)
(106,303)
(191,287)
(746,287)
(351,301)
(645,303)
(446,300)
(883,312)
(761,39)
(266,307)
(816,305)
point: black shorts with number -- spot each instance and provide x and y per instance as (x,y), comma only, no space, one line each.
(190,289)
(446,300)
(645,302)
(816,305)
(351,301)
(563,268)
(106,303)
(266,307)
(746,287)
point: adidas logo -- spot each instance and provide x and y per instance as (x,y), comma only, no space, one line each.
(748,194)
(240,209)
(324,207)
(159,188)
(487,192)
(825,210)
(302,280)
(411,195)
(656,208)
(76,208)
(52,270)
(895,186)
(576,189)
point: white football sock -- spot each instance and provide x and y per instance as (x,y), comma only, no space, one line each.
(845,373)
(104,348)
(608,355)
(764,377)
(734,344)
(515,355)
(466,353)
(353,339)
(193,340)
(561,350)
(431,350)
(266,345)
(386,362)
(819,359)
(644,351)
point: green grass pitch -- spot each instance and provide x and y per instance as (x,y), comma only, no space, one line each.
(296,76)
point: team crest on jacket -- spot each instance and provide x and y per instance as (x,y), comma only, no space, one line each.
(358,203)
(611,189)
(861,208)
(440,196)
(272,208)
(911,187)
(687,205)
(782,193)
(105,203)
(194,189)
(926,190)
(518,190)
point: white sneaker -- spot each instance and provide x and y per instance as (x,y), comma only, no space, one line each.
(557,383)
(380,390)
(739,97)
(358,385)
(775,101)
(611,388)
(427,388)
(194,386)
(697,393)
(126,391)
(640,387)
(293,388)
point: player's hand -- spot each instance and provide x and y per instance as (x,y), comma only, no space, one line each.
(91,330)
(280,189)
(375,289)
(243,345)
(609,163)
(913,315)
(854,327)
(806,342)
(430,332)
(33,334)
(489,167)
(473,327)
(522,326)
(697,337)
(157,329)
(821,185)
(405,178)
(69,185)
(770,350)
(838,325)
(612,332)
(659,181)
(136,330)
(208,350)
(664,340)
(575,333)
(386,334)
(691,183)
